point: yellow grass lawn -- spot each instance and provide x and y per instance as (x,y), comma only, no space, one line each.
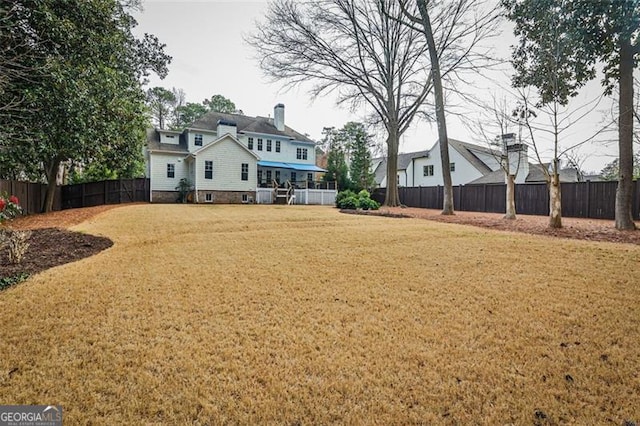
(302,315)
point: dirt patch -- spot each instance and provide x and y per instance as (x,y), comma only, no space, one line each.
(51,247)
(574,228)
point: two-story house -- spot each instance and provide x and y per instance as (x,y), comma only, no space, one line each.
(227,158)
(468,163)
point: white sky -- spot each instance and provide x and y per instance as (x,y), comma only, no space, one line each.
(205,39)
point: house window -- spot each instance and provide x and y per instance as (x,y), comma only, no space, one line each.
(250,143)
(208,169)
(269,176)
(277,146)
(310,177)
(293,176)
(208,198)
(259,176)
(452,167)
(259,144)
(170,136)
(278,176)
(171,170)
(269,145)
(245,198)
(245,171)
(301,153)
(198,140)
(427,170)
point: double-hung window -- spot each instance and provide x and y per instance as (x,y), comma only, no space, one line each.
(301,153)
(259,144)
(208,169)
(171,170)
(250,143)
(244,174)
(269,145)
(277,146)
(427,170)
(197,140)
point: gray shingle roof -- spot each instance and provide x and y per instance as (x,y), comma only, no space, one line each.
(245,123)
(536,175)
(466,150)
(153,143)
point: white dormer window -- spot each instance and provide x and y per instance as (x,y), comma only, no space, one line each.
(197,140)
(169,136)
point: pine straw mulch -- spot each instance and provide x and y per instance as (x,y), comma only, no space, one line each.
(573,228)
(50,245)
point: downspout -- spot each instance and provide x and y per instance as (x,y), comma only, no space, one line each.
(413,172)
(195,178)
(150,179)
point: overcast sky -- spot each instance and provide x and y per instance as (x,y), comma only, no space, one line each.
(205,39)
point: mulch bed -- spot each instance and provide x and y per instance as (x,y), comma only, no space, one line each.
(573,228)
(49,247)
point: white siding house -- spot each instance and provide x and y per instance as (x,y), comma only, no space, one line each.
(424,168)
(227,158)
(469,164)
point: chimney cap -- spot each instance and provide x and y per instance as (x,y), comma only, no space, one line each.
(279,106)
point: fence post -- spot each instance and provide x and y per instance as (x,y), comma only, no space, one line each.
(83,193)
(461,203)
(588,197)
(484,198)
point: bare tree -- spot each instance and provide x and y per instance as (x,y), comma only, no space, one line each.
(494,128)
(552,120)
(465,23)
(355,49)
(367,53)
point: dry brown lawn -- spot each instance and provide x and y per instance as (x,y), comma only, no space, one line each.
(303,315)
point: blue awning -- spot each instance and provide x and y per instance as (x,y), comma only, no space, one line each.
(293,166)
(275,164)
(306,167)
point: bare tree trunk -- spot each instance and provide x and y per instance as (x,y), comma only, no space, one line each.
(447,207)
(624,192)
(511,197)
(392,196)
(52,174)
(555,201)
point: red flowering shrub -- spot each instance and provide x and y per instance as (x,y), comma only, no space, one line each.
(9,208)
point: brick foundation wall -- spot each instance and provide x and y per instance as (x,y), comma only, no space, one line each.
(219,197)
(164,196)
(226,197)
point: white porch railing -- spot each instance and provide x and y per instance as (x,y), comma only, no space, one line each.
(323,197)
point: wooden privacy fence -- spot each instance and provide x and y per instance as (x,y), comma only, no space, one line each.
(594,200)
(105,192)
(31,195)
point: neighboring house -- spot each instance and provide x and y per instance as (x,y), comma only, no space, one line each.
(469,164)
(228,157)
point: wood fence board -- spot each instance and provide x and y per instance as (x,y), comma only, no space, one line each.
(594,200)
